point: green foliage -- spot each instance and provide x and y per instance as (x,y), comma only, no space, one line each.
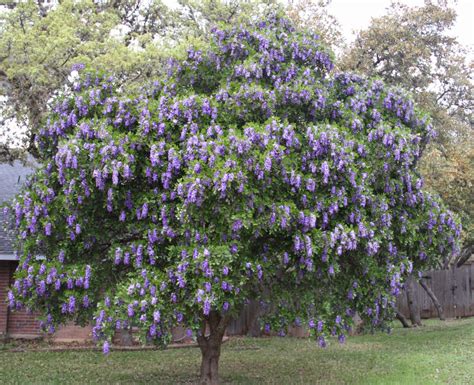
(247,171)
(39,49)
(411,47)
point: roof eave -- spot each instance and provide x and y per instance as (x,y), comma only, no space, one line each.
(8,257)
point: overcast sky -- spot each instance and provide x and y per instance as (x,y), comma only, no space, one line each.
(356,15)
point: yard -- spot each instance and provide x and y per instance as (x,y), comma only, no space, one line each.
(438,353)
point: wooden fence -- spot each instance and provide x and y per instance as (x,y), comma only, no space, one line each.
(454,289)
(247,323)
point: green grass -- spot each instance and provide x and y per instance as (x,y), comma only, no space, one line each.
(438,353)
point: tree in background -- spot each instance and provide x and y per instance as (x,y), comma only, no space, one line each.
(314,15)
(450,173)
(38,49)
(410,47)
(248,171)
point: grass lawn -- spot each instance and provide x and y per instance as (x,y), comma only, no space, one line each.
(438,353)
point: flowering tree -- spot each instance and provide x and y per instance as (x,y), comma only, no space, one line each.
(249,171)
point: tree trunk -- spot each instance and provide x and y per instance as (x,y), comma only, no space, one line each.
(413,305)
(210,346)
(433,297)
(465,254)
(402,319)
(210,364)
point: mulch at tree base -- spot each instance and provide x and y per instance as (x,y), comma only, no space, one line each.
(40,345)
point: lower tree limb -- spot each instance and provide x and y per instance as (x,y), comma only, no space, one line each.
(433,297)
(466,252)
(402,319)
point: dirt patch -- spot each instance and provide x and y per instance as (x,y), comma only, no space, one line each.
(41,345)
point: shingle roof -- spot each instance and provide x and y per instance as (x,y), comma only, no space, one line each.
(12,178)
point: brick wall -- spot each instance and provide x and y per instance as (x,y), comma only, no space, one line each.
(20,323)
(71,332)
(23,324)
(4,282)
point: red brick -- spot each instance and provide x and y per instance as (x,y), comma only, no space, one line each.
(22,324)
(4,282)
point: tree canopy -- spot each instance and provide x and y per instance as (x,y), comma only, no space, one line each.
(249,170)
(39,44)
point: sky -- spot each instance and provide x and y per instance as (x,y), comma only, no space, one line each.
(356,14)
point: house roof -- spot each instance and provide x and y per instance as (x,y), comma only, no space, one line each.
(12,177)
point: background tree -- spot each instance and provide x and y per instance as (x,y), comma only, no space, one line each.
(410,47)
(38,49)
(449,172)
(314,15)
(247,171)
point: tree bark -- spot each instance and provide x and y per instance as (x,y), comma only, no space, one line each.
(210,346)
(433,297)
(413,304)
(465,254)
(210,364)
(402,319)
